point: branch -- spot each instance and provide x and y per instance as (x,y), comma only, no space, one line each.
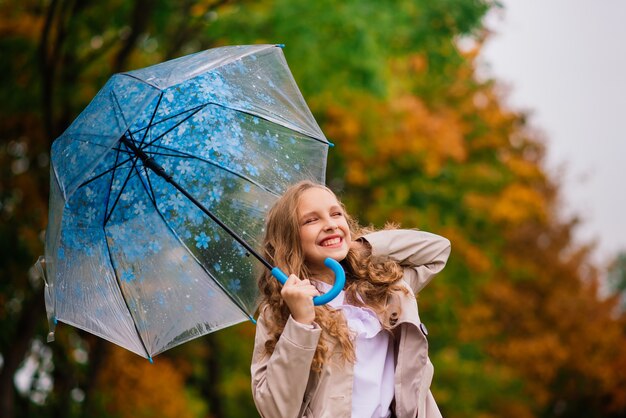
(58,16)
(47,71)
(187,31)
(138,25)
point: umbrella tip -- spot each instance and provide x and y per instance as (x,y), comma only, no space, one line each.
(280,45)
(330,144)
(252,320)
(150,360)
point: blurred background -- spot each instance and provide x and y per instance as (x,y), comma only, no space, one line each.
(443,117)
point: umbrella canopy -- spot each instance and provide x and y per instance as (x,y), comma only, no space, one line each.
(129,257)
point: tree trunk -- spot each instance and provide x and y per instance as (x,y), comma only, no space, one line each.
(138,24)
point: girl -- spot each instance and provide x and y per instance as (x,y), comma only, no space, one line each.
(364,354)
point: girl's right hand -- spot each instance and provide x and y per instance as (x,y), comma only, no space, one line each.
(298,295)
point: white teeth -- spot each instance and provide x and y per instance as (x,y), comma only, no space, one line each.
(330,242)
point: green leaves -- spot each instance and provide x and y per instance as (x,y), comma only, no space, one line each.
(516,326)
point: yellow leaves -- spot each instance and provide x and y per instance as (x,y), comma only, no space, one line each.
(542,353)
(356,173)
(519,203)
(478,323)
(202,7)
(439,136)
(343,126)
(346,128)
(478,203)
(536,373)
(199,9)
(132,387)
(25,26)
(473,255)
(550,327)
(418,63)
(478,168)
(373,133)
(523,169)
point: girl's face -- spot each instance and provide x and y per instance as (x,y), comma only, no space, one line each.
(324,230)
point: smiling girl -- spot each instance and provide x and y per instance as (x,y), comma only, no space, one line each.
(365,353)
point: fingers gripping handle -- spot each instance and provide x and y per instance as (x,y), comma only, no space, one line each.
(340,281)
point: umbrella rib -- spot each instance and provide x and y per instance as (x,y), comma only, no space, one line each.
(187,155)
(166,119)
(154,166)
(244,112)
(191,112)
(220,105)
(195,110)
(130,136)
(149,192)
(106,206)
(152,117)
(119,285)
(108,216)
(270,121)
(153,196)
(226,292)
(117,165)
(163,154)
(156,208)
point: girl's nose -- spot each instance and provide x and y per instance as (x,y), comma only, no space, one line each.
(331,225)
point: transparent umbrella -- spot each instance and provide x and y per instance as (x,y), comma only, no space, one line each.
(159,192)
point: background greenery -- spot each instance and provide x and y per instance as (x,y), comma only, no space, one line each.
(518,327)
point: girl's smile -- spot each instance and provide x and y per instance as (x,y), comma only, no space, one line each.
(332,241)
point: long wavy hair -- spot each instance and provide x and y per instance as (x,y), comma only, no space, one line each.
(368,283)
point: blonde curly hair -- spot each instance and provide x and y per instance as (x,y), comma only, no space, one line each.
(368,283)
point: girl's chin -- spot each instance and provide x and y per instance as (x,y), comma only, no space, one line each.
(338,255)
(331,250)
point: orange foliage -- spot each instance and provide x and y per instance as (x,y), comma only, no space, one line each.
(471,254)
(519,203)
(417,130)
(132,387)
(523,169)
(20,24)
(551,326)
(465,165)
(373,133)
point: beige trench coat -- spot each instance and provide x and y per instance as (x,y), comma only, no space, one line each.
(283,384)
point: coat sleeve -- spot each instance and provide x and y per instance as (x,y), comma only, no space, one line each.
(279,380)
(421,253)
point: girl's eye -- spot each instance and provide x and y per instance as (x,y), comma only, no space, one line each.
(310,220)
(337,214)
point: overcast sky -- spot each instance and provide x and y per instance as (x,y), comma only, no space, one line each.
(565,61)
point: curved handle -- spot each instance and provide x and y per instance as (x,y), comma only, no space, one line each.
(340,281)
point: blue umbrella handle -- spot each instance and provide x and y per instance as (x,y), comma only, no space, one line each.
(340,281)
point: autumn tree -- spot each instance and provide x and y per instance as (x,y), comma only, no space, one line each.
(517,326)
(424,142)
(57,54)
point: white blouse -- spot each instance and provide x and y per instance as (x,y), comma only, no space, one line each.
(373,385)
